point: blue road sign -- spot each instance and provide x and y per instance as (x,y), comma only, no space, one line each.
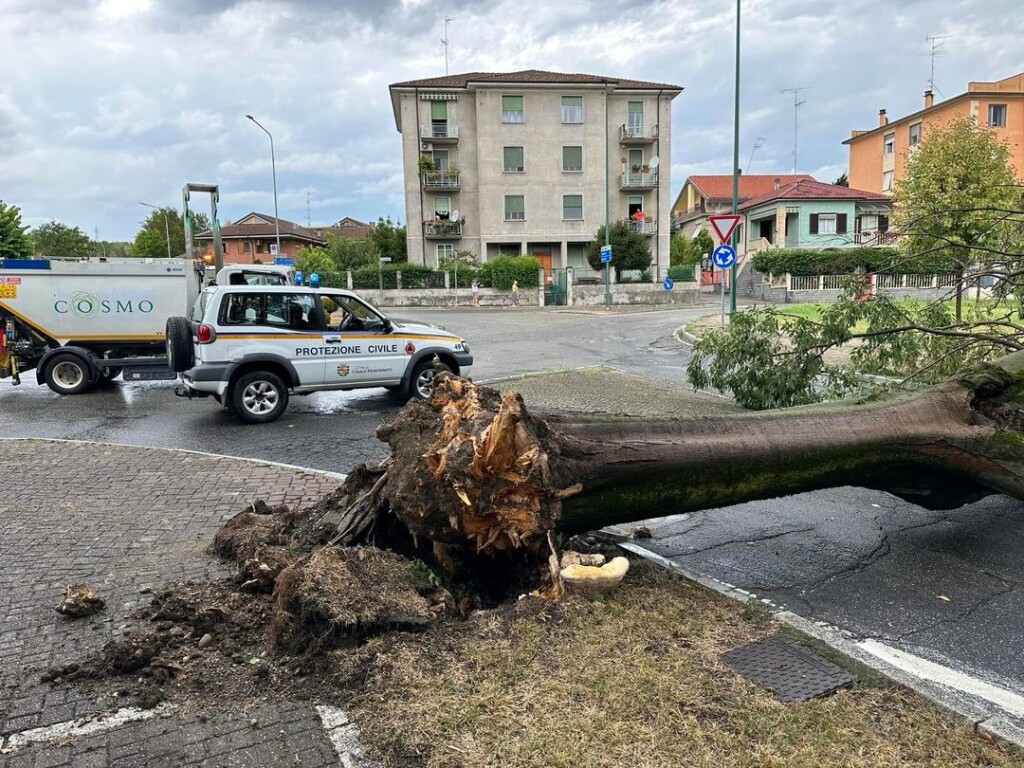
(284,261)
(667,284)
(724,256)
(606,254)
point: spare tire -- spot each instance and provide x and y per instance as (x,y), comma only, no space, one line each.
(181,355)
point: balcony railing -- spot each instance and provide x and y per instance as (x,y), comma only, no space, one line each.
(440,133)
(876,238)
(645,227)
(440,180)
(639,180)
(442,228)
(637,134)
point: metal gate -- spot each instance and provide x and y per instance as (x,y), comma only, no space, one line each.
(556,289)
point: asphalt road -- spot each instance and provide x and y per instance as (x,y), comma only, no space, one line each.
(334,430)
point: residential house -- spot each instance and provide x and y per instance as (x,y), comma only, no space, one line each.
(249,240)
(532,162)
(702,196)
(878,157)
(811,214)
(346,227)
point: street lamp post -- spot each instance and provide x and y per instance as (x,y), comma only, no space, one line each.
(273,170)
(167,227)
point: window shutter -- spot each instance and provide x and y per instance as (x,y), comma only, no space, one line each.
(883,223)
(814,223)
(439,111)
(858,225)
(840,223)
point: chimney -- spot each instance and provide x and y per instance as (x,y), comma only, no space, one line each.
(883,119)
(929,99)
(778,182)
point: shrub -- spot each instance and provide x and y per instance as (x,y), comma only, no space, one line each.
(843,261)
(501,272)
(682,272)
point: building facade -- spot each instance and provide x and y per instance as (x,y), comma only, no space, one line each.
(878,157)
(249,240)
(528,163)
(703,196)
(811,214)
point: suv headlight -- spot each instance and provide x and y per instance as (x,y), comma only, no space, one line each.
(465,346)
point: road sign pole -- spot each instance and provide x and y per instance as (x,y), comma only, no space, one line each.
(735,160)
(723,297)
(607,286)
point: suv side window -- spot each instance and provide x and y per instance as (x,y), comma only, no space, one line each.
(294,311)
(345,313)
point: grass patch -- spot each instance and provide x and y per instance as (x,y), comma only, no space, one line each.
(632,679)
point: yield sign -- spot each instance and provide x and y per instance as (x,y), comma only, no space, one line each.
(724,225)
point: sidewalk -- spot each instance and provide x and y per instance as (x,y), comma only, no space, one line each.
(126,521)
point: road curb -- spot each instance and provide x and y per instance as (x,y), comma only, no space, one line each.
(983,716)
(265,462)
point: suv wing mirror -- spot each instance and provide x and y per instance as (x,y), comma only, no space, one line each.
(388,325)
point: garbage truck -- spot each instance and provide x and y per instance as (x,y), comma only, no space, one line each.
(77,323)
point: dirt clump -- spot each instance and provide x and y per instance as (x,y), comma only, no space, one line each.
(243,534)
(80,600)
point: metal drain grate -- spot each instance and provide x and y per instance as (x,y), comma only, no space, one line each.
(790,671)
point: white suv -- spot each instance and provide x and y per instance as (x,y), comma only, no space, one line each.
(250,346)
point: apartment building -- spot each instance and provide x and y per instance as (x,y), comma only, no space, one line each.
(527,163)
(878,157)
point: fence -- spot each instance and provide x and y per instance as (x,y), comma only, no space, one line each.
(799,288)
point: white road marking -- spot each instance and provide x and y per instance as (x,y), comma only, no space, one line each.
(344,735)
(83,726)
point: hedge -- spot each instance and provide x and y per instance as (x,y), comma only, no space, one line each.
(413,276)
(844,261)
(682,272)
(501,272)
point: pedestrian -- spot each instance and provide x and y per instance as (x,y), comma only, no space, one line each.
(476,292)
(515,293)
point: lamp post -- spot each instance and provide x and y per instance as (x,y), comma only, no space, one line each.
(735,162)
(273,170)
(167,227)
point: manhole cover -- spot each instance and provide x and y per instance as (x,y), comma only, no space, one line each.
(790,671)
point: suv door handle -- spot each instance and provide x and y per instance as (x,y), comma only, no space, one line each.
(333,339)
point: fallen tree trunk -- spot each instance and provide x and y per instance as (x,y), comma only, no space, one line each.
(473,473)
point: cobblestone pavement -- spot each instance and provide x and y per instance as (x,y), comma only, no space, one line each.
(125,520)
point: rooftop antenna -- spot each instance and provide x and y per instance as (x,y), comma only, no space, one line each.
(444,40)
(758,143)
(102,244)
(936,49)
(309,221)
(796,112)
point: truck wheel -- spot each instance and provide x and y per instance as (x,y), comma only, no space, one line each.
(258,397)
(68,374)
(181,355)
(421,383)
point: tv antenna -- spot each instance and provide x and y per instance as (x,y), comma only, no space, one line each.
(796,112)
(758,143)
(444,40)
(936,49)
(309,222)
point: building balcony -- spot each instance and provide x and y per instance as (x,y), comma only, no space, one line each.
(875,238)
(637,134)
(629,182)
(442,229)
(645,227)
(441,180)
(440,133)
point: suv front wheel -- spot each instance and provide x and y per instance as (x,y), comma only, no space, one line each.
(421,383)
(258,397)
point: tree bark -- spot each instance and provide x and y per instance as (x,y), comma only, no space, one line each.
(475,474)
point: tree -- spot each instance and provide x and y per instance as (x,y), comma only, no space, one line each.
(389,240)
(14,243)
(690,250)
(843,180)
(958,194)
(151,240)
(55,239)
(629,249)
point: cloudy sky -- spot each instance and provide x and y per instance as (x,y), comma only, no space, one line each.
(106,103)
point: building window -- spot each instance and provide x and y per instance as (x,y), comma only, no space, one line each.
(572,109)
(513,161)
(440,160)
(512,109)
(572,159)
(826,223)
(868,222)
(246,246)
(444,251)
(515,208)
(572,207)
(442,207)
(890,143)
(636,205)
(635,118)
(997,115)
(887,181)
(439,119)
(915,134)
